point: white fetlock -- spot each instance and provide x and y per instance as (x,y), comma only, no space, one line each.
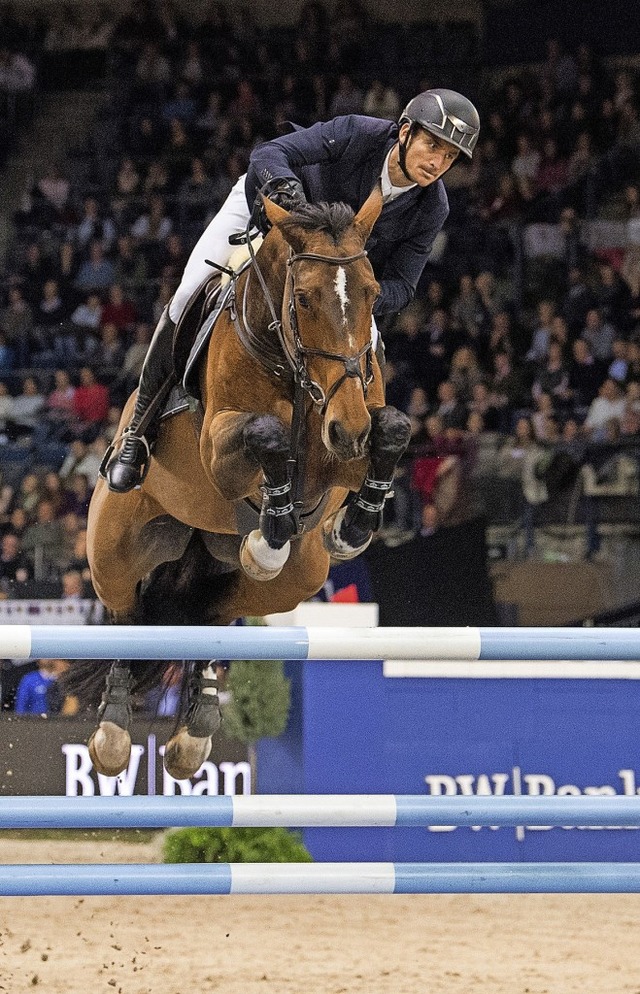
(337,548)
(259,560)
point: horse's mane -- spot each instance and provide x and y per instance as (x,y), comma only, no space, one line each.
(335,219)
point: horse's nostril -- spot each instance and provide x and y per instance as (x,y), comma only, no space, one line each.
(363,439)
(343,442)
(336,434)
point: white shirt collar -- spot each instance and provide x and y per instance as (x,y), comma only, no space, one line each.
(389,191)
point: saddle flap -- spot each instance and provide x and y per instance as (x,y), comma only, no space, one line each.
(190,376)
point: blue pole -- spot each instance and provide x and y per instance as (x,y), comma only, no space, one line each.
(105,642)
(320,878)
(324,810)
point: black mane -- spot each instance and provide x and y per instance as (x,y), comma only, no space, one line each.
(335,219)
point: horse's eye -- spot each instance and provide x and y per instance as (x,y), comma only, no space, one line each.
(302,300)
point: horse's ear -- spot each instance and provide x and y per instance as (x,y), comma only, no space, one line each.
(369,212)
(274,212)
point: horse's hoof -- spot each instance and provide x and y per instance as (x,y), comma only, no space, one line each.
(259,560)
(110,749)
(338,549)
(184,754)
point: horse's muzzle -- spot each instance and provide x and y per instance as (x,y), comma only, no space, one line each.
(343,444)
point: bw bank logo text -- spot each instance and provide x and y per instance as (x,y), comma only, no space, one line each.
(519,784)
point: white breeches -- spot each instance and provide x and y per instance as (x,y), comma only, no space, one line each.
(214,244)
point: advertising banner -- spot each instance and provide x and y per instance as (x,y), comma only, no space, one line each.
(49,756)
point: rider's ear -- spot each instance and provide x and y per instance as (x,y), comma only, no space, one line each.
(274,212)
(369,212)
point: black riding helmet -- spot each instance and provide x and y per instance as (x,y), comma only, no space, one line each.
(447,115)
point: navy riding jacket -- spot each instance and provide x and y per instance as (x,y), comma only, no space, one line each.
(341,160)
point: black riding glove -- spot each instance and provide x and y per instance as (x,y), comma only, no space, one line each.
(288,196)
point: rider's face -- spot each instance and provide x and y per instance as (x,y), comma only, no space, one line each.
(428,157)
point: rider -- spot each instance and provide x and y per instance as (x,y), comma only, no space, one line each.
(338,160)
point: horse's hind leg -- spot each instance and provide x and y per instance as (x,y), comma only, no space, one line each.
(110,744)
(350,530)
(187,750)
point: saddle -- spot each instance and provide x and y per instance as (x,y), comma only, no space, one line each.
(196,327)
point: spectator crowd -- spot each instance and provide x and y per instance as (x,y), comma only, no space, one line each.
(524,336)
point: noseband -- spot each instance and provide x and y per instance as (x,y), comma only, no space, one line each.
(298,357)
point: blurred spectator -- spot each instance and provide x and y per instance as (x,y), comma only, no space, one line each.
(450,409)
(599,334)
(16,321)
(610,403)
(118,309)
(72,585)
(619,366)
(577,300)
(38,692)
(90,405)
(88,314)
(25,410)
(552,376)
(51,308)
(17,73)
(94,227)
(15,566)
(613,297)
(542,333)
(465,373)
(6,410)
(97,272)
(110,350)
(382,101)
(154,225)
(43,541)
(129,265)
(506,387)
(347,99)
(585,375)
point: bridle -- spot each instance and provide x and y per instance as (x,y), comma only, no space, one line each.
(300,353)
(295,351)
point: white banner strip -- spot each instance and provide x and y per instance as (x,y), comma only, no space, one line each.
(520,669)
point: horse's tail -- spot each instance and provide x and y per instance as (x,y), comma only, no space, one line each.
(184,592)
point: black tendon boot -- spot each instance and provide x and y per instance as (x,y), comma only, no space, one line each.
(128,467)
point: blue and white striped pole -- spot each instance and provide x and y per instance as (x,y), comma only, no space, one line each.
(320,878)
(315,811)
(107,642)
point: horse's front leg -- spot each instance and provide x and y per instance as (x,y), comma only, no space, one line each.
(265,550)
(350,530)
(250,451)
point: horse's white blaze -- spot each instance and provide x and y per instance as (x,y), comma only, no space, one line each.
(340,284)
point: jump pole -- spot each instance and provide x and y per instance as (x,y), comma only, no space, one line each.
(30,880)
(316,811)
(129,642)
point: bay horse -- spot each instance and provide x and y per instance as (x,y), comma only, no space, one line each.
(291,429)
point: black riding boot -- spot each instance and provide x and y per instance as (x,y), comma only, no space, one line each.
(127,468)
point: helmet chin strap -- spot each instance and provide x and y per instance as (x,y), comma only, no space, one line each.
(403,147)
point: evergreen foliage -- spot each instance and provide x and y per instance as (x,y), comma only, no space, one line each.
(234,845)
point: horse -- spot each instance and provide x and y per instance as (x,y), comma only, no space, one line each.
(290,432)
